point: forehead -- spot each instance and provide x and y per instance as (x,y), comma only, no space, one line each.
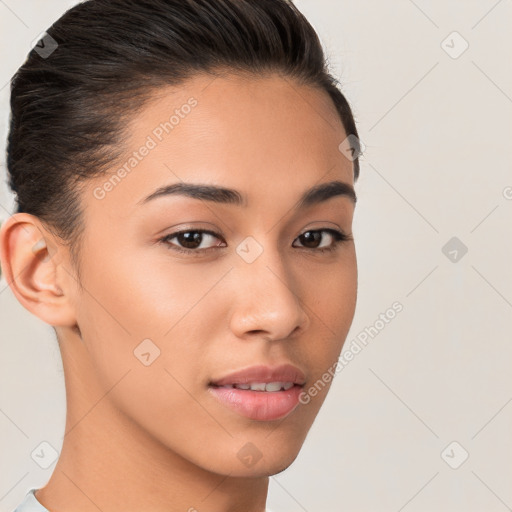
(265,136)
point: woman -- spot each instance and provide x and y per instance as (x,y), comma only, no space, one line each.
(184,175)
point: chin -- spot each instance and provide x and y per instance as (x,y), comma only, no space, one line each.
(263,468)
(279,466)
(246,459)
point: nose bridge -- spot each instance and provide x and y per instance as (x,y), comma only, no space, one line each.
(267,298)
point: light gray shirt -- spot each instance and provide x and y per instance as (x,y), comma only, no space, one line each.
(30,504)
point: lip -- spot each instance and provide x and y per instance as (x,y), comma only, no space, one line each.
(260,405)
(263,373)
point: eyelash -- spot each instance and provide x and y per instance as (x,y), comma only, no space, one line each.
(339,238)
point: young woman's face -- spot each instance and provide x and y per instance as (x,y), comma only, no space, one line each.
(269,284)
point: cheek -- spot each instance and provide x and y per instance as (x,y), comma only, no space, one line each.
(134,306)
(143,295)
(331,307)
(333,294)
(145,328)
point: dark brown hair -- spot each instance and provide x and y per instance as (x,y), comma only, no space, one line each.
(100,62)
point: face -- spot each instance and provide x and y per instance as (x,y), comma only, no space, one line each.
(182,288)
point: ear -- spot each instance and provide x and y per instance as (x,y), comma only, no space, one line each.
(33,262)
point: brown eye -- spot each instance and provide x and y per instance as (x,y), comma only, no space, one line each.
(191,240)
(313,238)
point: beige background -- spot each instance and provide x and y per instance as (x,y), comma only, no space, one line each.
(437,165)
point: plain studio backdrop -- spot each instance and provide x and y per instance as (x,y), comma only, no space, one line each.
(420,418)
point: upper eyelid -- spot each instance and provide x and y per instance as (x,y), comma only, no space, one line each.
(200,230)
(213,233)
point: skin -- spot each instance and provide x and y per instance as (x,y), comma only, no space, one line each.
(153,438)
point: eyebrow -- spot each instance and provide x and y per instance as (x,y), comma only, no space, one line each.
(216,194)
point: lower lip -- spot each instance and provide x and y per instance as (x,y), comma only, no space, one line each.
(259,405)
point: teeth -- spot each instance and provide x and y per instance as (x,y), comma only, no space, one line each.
(274,386)
(259,386)
(262,386)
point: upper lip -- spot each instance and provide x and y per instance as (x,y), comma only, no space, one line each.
(263,373)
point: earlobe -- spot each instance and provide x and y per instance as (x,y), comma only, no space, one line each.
(30,260)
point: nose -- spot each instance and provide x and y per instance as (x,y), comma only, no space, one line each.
(267,301)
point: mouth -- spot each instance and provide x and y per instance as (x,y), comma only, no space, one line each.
(260,393)
(269,387)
